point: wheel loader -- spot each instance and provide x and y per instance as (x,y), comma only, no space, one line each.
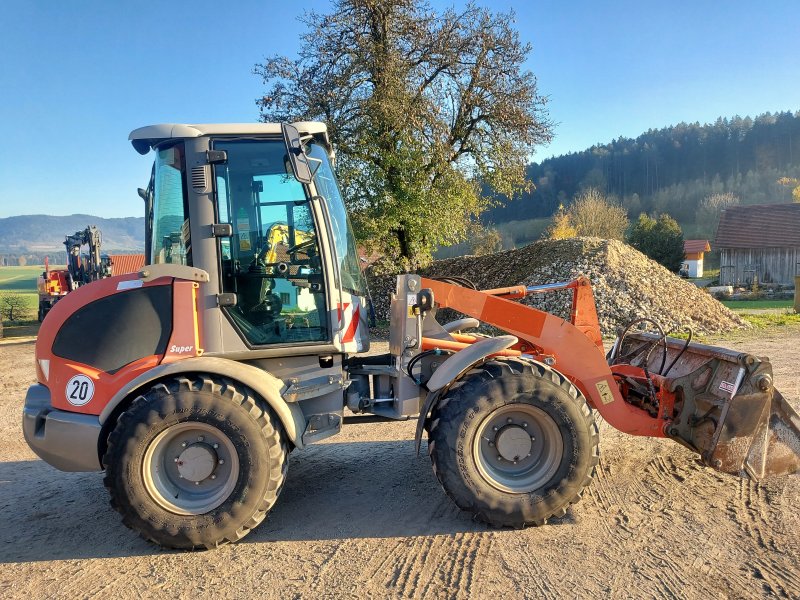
(244,338)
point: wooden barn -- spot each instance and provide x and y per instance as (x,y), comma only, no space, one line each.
(759,243)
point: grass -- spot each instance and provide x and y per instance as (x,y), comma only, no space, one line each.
(757,304)
(15,279)
(21,281)
(767,320)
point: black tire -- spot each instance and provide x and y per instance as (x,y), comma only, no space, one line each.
(254,438)
(457,443)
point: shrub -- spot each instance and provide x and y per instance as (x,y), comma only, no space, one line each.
(661,239)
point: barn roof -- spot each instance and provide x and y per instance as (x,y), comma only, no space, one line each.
(692,246)
(759,226)
(122,264)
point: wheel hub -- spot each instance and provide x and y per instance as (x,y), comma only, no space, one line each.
(190,468)
(513,443)
(518,447)
(197,462)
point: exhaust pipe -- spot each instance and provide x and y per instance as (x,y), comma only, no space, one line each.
(725,405)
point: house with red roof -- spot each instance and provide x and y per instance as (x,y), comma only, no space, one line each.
(759,244)
(693,251)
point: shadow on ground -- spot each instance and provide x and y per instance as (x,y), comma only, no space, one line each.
(334,491)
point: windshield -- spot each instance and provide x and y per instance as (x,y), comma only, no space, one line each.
(343,239)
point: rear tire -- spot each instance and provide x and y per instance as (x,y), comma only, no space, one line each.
(195,462)
(514,443)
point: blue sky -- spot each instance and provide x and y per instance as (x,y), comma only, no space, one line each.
(76,77)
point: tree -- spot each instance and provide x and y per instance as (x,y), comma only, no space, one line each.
(593,214)
(794,184)
(13,306)
(711,208)
(661,239)
(561,228)
(485,240)
(431,115)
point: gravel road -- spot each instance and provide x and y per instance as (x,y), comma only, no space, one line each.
(362,516)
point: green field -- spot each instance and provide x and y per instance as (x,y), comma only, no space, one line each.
(19,278)
(757,304)
(20,281)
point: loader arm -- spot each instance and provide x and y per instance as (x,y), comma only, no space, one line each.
(576,349)
(716,402)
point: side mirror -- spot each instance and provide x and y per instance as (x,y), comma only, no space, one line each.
(142,193)
(297,158)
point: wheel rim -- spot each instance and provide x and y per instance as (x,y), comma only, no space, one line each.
(190,468)
(518,448)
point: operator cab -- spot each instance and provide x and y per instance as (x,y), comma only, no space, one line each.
(281,254)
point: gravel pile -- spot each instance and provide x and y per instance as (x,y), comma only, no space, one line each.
(625,282)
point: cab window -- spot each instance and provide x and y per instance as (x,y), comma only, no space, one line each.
(170,240)
(272,262)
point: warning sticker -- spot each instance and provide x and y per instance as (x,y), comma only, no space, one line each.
(411,300)
(244,241)
(726,386)
(605,392)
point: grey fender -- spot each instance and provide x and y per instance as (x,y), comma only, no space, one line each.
(453,368)
(266,385)
(461,325)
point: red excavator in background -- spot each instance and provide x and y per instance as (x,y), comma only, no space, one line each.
(54,284)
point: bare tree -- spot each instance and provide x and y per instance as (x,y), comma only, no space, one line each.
(594,214)
(711,208)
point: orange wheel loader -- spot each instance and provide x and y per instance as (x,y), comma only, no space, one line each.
(191,381)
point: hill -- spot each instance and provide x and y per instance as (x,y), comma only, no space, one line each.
(672,170)
(37,234)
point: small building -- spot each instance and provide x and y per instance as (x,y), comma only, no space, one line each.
(122,264)
(693,251)
(759,244)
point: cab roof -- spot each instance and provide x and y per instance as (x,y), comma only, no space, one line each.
(150,136)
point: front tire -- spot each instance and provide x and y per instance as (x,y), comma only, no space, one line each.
(195,462)
(514,443)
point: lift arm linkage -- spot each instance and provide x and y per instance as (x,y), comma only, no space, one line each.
(574,347)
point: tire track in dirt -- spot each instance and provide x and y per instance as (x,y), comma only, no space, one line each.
(330,552)
(539,578)
(657,515)
(429,566)
(753,514)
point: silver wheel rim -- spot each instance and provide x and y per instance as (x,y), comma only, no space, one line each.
(518,448)
(190,468)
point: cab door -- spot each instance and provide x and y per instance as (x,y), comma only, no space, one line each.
(272,263)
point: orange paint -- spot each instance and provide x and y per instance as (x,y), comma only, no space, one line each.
(433,343)
(576,345)
(185,332)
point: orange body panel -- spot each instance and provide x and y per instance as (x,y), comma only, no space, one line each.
(576,346)
(53,283)
(184,341)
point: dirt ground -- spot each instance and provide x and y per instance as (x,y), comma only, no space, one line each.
(362,516)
